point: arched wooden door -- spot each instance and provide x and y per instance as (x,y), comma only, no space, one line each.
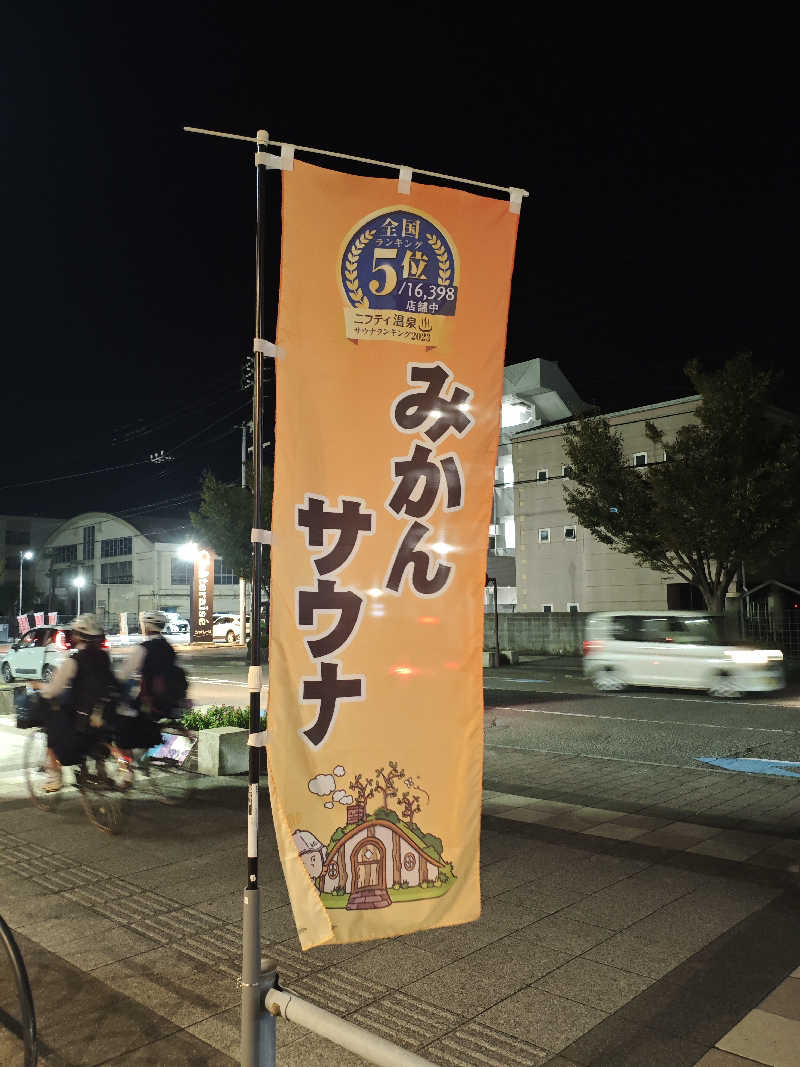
(368,875)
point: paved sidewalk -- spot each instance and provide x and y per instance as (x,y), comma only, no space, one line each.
(730,800)
(591,950)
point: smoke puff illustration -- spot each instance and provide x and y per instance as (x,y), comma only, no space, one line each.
(338,771)
(322,785)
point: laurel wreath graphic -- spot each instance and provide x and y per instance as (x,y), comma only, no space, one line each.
(351,268)
(445,267)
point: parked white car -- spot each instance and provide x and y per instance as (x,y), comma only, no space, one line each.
(228,628)
(35,655)
(678,649)
(176,624)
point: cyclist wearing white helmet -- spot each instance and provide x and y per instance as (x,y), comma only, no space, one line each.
(151,664)
(82,696)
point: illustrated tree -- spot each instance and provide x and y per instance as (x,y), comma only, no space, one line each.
(384,782)
(361,789)
(410,807)
(726,494)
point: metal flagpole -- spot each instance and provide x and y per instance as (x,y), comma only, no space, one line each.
(258,1026)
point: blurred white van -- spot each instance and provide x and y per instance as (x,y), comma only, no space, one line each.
(680,649)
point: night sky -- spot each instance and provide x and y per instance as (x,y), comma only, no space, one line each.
(662,162)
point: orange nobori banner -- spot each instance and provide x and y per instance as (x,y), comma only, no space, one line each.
(392,322)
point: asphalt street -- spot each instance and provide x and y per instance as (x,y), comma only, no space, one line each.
(562,714)
(557,711)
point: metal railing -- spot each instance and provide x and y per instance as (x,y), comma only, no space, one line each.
(778,628)
(26,1031)
(263,1000)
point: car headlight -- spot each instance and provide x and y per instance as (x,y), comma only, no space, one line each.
(754,656)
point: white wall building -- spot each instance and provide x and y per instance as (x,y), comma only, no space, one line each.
(126,567)
(560,566)
(535,393)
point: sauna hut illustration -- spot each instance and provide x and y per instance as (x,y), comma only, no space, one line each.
(377,858)
(373,855)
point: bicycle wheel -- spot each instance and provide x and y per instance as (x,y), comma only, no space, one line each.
(26,1029)
(171,768)
(36,771)
(102,790)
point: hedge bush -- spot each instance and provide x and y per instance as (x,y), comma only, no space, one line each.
(220,715)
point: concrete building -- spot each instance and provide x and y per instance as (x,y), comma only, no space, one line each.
(535,393)
(560,566)
(22,533)
(126,566)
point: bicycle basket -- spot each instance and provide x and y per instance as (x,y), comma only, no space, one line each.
(29,708)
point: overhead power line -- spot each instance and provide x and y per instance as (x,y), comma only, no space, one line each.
(82,474)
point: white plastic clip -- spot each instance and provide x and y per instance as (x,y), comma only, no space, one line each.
(287,157)
(258,740)
(285,161)
(260,537)
(255,680)
(404,181)
(268,348)
(515,200)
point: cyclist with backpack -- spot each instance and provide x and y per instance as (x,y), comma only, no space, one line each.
(161,686)
(81,701)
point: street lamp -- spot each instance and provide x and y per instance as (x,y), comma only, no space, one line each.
(79,583)
(22,557)
(188,553)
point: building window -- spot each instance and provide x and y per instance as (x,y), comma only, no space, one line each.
(508,474)
(570,533)
(544,536)
(566,471)
(541,476)
(88,542)
(224,575)
(18,537)
(492,542)
(65,553)
(181,571)
(640,459)
(573,609)
(117,573)
(510,532)
(116,546)
(547,608)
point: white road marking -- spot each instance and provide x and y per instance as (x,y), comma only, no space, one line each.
(589,755)
(218,681)
(653,722)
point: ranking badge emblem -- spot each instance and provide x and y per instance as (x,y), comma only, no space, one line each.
(399,273)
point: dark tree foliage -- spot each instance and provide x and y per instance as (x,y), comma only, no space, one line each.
(225,520)
(726,495)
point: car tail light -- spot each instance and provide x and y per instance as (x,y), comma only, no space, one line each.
(105,643)
(592,646)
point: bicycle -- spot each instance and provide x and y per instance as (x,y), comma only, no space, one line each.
(98,778)
(170,768)
(104,786)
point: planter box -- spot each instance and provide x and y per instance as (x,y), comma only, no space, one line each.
(224,750)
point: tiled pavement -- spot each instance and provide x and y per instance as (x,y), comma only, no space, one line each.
(607,938)
(743,802)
